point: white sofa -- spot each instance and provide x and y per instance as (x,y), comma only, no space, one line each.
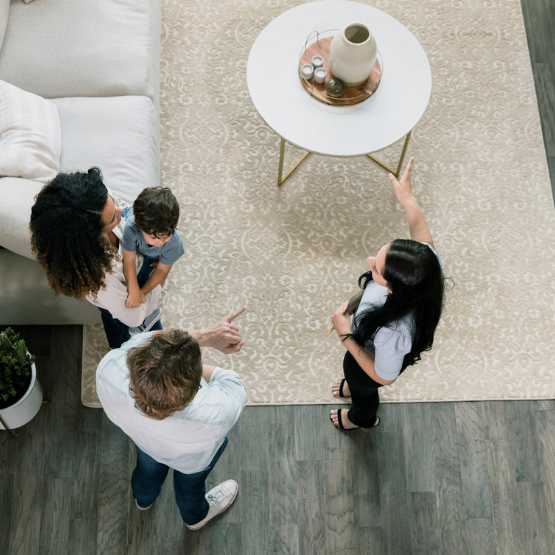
(98,60)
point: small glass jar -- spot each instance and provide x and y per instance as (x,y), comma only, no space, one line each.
(335,87)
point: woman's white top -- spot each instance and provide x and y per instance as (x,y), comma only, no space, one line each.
(114,295)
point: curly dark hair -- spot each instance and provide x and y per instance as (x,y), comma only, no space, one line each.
(66,233)
(165,373)
(156,212)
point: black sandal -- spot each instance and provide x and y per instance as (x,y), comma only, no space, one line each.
(343,382)
(339,419)
(340,422)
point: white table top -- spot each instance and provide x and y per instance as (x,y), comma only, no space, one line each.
(387,116)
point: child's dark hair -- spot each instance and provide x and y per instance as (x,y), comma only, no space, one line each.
(156,212)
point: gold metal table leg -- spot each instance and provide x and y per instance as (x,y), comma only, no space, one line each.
(395,172)
(401,160)
(295,165)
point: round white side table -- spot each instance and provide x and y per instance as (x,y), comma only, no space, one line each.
(359,130)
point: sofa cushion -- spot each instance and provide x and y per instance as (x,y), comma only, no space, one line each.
(30,140)
(18,197)
(64,48)
(119,135)
(4,12)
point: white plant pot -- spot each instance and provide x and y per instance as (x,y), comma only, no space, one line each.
(26,408)
(353,53)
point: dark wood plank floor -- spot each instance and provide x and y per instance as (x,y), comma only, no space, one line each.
(434,478)
(539,20)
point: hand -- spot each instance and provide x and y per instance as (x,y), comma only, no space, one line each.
(403,188)
(135,300)
(341,321)
(224,335)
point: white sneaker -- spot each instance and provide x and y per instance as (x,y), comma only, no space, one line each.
(142,508)
(219,498)
(149,321)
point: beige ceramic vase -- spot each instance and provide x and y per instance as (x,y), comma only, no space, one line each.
(353,54)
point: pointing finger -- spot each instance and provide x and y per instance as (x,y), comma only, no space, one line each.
(234,315)
(408,168)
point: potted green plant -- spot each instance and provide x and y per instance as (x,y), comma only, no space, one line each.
(20,393)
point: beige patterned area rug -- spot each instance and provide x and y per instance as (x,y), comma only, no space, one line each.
(292,255)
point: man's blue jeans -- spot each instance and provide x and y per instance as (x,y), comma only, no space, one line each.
(190,489)
(117,332)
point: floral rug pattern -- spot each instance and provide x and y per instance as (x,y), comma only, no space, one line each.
(293,254)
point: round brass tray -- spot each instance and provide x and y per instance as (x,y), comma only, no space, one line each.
(351,95)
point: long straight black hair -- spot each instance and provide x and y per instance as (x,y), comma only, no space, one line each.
(416,281)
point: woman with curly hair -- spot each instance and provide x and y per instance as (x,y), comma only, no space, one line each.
(397,316)
(76,232)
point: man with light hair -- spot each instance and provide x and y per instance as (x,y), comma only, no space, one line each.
(177,411)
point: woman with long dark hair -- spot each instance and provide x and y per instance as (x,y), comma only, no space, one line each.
(76,232)
(397,316)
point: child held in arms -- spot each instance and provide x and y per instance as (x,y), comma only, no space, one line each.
(151,230)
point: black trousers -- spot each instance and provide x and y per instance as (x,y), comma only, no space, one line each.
(364,393)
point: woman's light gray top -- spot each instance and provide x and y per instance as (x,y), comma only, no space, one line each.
(393,342)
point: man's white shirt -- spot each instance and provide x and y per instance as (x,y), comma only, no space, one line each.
(186,441)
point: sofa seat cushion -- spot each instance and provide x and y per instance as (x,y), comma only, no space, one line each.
(119,135)
(64,48)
